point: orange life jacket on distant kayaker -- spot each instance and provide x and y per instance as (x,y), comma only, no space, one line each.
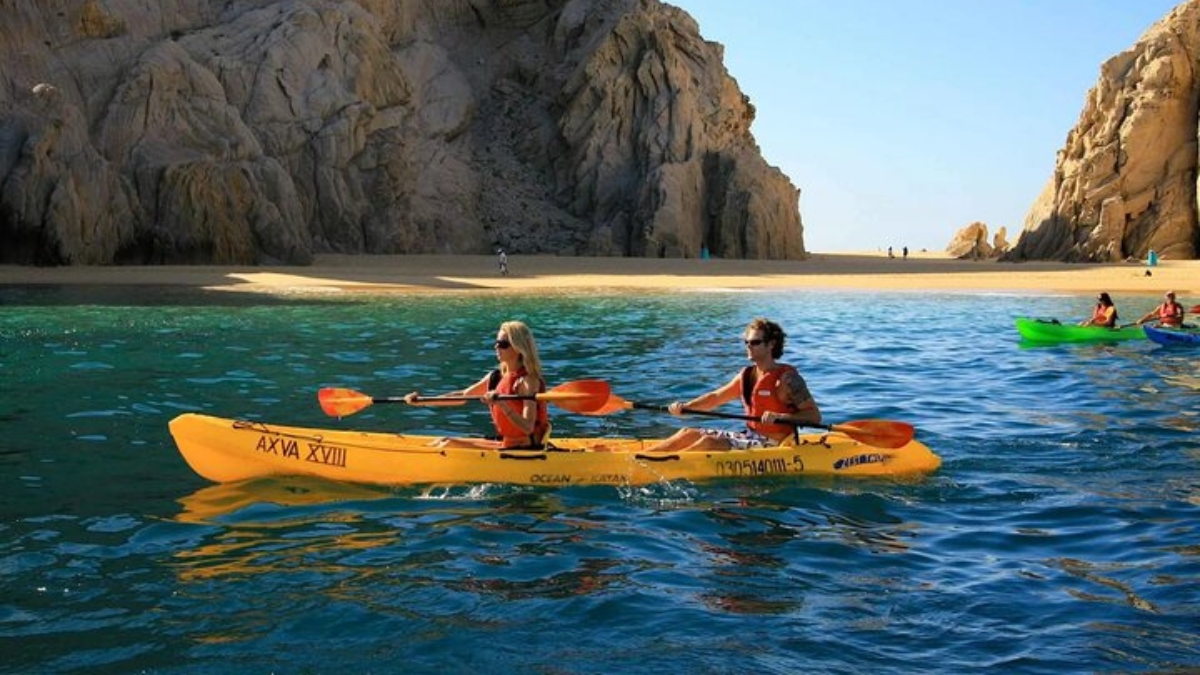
(763,396)
(1170,314)
(511,435)
(1101,316)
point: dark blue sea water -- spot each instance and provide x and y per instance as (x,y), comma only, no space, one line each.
(1062,533)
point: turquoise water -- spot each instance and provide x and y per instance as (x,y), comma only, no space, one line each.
(1061,534)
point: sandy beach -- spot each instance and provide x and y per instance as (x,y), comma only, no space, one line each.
(407,274)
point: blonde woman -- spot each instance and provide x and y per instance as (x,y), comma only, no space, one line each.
(520,423)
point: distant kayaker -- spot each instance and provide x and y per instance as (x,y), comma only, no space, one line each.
(1105,313)
(770,391)
(1169,313)
(520,423)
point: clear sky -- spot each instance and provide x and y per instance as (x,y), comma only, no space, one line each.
(902,121)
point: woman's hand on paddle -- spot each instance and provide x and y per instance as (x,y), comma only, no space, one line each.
(676,408)
(414,398)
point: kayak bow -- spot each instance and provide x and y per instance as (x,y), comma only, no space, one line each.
(1173,336)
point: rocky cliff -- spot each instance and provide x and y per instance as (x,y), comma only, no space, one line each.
(253,131)
(1125,181)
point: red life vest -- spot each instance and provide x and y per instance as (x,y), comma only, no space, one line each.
(1170,314)
(762,396)
(511,435)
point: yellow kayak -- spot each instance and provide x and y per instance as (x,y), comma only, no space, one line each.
(225,450)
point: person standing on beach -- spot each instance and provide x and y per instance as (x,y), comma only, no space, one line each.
(1168,314)
(502,258)
(772,392)
(520,423)
(906,253)
(1104,315)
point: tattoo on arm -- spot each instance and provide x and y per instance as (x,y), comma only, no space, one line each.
(795,389)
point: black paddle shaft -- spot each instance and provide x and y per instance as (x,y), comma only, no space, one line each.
(728,416)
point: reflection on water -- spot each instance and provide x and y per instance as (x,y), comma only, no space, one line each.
(518,544)
(265,527)
(212,502)
(1095,574)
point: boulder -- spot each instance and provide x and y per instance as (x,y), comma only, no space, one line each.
(970,243)
(1000,241)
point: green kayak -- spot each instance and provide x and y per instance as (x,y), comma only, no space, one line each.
(1050,332)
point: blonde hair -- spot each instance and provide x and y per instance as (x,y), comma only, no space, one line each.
(521,338)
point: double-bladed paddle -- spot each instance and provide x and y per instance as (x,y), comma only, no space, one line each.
(1194,310)
(580,396)
(876,433)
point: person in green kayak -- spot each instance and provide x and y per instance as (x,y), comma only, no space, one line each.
(1169,314)
(772,392)
(520,423)
(1105,313)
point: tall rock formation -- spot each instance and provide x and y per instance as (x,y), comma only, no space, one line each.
(1125,182)
(255,131)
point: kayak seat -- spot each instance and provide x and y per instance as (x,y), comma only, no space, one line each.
(656,458)
(523,453)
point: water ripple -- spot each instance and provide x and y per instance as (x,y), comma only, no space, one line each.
(1059,536)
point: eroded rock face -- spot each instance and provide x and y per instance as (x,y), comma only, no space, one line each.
(253,131)
(1125,182)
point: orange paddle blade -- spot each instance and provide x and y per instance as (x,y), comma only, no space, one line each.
(580,396)
(613,404)
(338,402)
(878,433)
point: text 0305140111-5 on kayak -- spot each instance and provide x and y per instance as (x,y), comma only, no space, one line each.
(225,450)
(1174,336)
(1041,330)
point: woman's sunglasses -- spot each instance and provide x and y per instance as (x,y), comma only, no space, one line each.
(503,344)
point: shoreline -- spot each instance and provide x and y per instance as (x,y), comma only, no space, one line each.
(387,274)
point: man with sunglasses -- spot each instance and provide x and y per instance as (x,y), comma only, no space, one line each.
(773,393)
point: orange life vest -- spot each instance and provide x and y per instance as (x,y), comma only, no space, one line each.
(1170,314)
(511,435)
(1100,317)
(763,396)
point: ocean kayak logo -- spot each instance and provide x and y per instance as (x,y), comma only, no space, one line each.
(869,458)
(329,455)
